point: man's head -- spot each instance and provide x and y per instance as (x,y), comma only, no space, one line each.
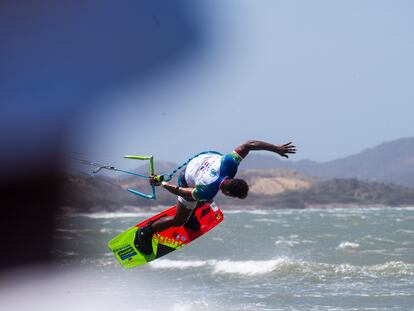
(237,188)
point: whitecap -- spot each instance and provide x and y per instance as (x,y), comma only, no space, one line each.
(393,268)
(292,241)
(176,264)
(288,243)
(243,268)
(66,253)
(198,305)
(248,226)
(348,246)
(110,230)
(404,231)
(248,267)
(99,262)
(288,266)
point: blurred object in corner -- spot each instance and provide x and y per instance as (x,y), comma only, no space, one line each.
(55,58)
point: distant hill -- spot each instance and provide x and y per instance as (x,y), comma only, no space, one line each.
(268,189)
(382,175)
(390,162)
(87,193)
(90,193)
(329,193)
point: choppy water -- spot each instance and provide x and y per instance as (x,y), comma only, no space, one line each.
(337,259)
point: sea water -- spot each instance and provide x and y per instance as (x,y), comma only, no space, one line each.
(312,259)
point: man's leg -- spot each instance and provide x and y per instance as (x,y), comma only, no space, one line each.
(180,218)
(192,222)
(143,238)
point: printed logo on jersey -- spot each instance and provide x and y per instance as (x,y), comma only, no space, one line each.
(204,166)
(213,173)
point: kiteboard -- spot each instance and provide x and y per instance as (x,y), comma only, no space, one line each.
(123,247)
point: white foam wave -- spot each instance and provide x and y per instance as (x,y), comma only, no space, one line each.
(285,266)
(99,262)
(391,267)
(248,226)
(110,230)
(289,243)
(194,305)
(176,264)
(249,267)
(70,253)
(65,253)
(348,246)
(404,231)
(387,269)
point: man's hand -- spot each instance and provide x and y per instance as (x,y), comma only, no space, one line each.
(155,180)
(250,145)
(283,150)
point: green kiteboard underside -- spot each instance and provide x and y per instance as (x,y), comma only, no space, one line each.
(127,254)
(208,216)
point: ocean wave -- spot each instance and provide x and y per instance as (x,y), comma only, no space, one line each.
(106,215)
(364,209)
(81,231)
(284,266)
(65,253)
(192,305)
(177,264)
(289,243)
(110,230)
(249,267)
(99,262)
(404,231)
(269,220)
(340,212)
(372,240)
(248,226)
(73,230)
(348,246)
(253,212)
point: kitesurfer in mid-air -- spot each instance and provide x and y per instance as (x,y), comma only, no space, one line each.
(199,182)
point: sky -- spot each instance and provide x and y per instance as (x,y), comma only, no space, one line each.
(145,77)
(334,77)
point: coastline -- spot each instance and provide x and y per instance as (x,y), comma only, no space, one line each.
(128,209)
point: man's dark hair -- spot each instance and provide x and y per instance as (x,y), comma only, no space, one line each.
(238,188)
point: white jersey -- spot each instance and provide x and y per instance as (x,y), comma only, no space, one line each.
(203,170)
(206,172)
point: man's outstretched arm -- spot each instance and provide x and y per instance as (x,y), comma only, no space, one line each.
(282,150)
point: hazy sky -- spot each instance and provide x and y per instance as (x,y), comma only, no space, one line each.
(335,77)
